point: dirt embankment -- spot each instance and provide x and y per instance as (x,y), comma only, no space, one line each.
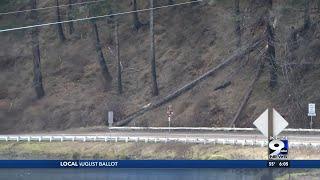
(189,40)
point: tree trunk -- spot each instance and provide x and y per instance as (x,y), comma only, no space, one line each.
(118,57)
(155,91)
(238,22)
(271,51)
(59,26)
(246,97)
(306,14)
(37,76)
(104,69)
(271,56)
(136,22)
(70,17)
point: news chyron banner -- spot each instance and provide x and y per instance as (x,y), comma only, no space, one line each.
(159,164)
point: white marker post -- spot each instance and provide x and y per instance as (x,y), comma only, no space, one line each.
(110,118)
(169,113)
(311,112)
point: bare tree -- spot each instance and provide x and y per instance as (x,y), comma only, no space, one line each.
(237,21)
(155,91)
(136,22)
(71,27)
(37,76)
(118,57)
(271,51)
(306,14)
(102,62)
(59,26)
(93,10)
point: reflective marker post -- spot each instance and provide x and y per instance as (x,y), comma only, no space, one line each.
(169,113)
(169,119)
(311,112)
(110,118)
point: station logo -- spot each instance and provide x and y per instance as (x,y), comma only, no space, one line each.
(278,148)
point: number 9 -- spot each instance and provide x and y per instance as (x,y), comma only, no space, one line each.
(276,145)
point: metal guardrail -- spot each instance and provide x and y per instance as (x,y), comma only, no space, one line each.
(187,140)
(207,129)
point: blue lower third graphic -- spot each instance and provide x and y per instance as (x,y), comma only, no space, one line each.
(151,164)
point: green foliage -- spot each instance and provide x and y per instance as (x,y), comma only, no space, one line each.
(99,9)
(221,2)
(4,2)
(296,3)
(10,5)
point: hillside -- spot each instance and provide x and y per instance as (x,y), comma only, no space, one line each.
(189,40)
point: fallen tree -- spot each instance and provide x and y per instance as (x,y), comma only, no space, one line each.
(246,96)
(237,55)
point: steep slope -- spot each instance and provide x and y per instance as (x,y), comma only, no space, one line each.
(190,40)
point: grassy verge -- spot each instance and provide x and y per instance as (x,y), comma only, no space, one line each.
(95,150)
(98,150)
(108,150)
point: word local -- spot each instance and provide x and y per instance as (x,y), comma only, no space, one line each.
(89,164)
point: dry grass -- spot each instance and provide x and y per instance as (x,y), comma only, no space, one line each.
(92,150)
(189,41)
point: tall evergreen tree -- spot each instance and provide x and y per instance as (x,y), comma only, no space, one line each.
(70,17)
(307,21)
(135,17)
(93,10)
(59,26)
